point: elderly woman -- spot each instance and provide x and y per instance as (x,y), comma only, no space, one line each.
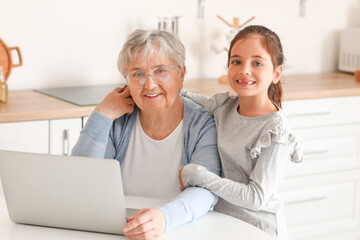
(153,133)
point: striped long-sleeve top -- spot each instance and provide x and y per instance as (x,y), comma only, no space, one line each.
(255,154)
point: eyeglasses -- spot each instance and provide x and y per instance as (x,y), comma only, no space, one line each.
(161,74)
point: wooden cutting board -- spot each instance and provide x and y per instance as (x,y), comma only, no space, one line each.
(6,59)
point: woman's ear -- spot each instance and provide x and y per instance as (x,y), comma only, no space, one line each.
(277,74)
(182,76)
(183,72)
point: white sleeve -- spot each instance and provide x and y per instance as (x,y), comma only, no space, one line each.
(191,204)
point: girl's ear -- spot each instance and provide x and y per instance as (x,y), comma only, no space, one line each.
(277,74)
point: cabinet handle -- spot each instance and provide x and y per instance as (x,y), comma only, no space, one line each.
(316,113)
(306,199)
(320,151)
(66,142)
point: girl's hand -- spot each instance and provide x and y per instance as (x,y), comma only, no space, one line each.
(145,224)
(189,175)
(117,103)
(182,188)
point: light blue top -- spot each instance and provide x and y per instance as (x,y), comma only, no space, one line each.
(103,138)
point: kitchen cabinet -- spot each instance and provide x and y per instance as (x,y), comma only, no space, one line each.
(63,135)
(322,193)
(47,136)
(34,122)
(56,136)
(29,136)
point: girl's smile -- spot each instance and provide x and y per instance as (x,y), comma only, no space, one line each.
(245,82)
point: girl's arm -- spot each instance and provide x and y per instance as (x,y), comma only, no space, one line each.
(264,180)
(196,97)
(210,104)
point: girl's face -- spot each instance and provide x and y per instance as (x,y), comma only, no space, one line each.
(250,68)
(153,97)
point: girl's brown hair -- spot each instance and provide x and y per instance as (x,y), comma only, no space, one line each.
(272,44)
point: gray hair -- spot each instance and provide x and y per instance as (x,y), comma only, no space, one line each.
(145,42)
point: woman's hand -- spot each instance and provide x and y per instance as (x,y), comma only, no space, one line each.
(146,224)
(117,103)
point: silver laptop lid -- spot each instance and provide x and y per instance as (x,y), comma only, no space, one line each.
(63,191)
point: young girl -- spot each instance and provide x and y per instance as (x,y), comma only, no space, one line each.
(255,142)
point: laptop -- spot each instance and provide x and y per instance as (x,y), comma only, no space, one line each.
(63,191)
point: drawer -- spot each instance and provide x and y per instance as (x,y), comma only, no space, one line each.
(328,149)
(349,235)
(321,205)
(32,136)
(322,112)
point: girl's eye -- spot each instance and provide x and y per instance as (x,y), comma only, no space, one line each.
(257,64)
(235,62)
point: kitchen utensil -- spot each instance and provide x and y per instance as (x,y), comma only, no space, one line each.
(6,58)
(349,54)
(169,24)
(357,75)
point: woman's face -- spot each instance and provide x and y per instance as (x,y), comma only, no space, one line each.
(251,70)
(153,97)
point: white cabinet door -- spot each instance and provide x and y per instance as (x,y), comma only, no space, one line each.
(64,134)
(322,204)
(24,136)
(322,112)
(32,136)
(328,149)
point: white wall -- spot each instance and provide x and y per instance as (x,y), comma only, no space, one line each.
(76,42)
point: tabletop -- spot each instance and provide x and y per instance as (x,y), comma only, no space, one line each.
(213,225)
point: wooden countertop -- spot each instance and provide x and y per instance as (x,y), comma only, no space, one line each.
(295,87)
(27,105)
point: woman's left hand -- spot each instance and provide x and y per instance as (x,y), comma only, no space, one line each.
(146,224)
(117,103)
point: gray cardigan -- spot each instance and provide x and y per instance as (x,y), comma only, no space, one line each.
(103,138)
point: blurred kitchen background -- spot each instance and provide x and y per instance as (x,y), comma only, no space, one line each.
(76,42)
(69,43)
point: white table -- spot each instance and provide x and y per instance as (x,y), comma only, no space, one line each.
(213,225)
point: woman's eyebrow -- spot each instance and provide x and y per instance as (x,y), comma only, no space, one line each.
(136,68)
(156,66)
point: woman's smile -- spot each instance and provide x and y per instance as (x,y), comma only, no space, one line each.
(153,95)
